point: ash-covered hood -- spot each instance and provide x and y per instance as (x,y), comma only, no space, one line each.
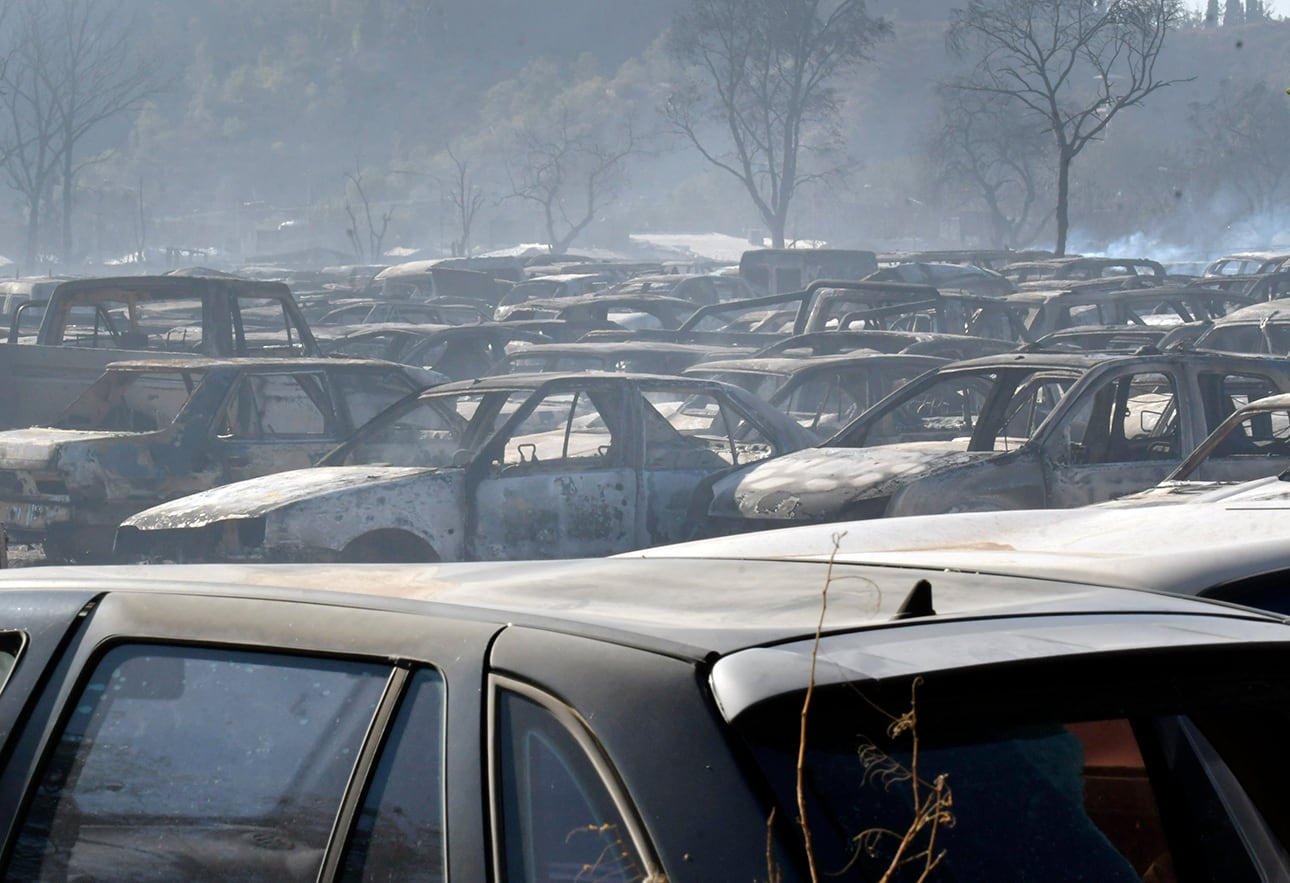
(817,484)
(37,447)
(258,496)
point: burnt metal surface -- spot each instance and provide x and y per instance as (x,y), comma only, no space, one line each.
(147,432)
(1026,443)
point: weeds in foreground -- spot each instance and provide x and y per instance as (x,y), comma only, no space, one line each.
(616,861)
(932,801)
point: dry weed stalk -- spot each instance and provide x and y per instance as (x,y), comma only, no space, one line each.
(615,860)
(932,801)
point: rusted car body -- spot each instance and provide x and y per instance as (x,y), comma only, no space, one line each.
(1020,431)
(924,343)
(1252,444)
(458,352)
(901,306)
(146,432)
(1258,328)
(1248,263)
(1080,267)
(822,393)
(641,357)
(631,311)
(958,276)
(89,323)
(1043,312)
(508,467)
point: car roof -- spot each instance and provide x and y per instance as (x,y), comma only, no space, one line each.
(1185,548)
(791,365)
(678,606)
(1267,309)
(535,380)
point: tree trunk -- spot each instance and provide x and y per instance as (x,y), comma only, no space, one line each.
(1063,201)
(68,175)
(33,235)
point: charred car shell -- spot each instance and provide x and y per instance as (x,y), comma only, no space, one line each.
(515,466)
(1022,431)
(152,431)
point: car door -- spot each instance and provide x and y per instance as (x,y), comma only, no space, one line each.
(562,478)
(1127,431)
(273,421)
(186,737)
(688,434)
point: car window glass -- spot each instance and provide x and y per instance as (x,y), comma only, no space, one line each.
(1127,419)
(188,762)
(399,831)
(267,406)
(559,820)
(562,427)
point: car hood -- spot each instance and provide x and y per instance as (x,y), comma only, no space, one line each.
(259,496)
(817,484)
(37,447)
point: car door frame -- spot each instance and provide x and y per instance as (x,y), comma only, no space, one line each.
(236,453)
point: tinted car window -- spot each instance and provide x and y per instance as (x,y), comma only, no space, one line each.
(399,832)
(137,788)
(559,820)
(1080,795)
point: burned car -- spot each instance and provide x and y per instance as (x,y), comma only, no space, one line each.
(146,432)
(631,720)
(1252,444)
(514,466)
(822,393)
(1019,431)
(1258,328)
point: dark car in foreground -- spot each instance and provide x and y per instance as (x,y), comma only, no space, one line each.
(632,720)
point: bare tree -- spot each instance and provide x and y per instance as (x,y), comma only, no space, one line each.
(466,196)
(374,232)
(1243,133)
(72,68)
(986,146)
(1072,64)
(571,168)
(764,72)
